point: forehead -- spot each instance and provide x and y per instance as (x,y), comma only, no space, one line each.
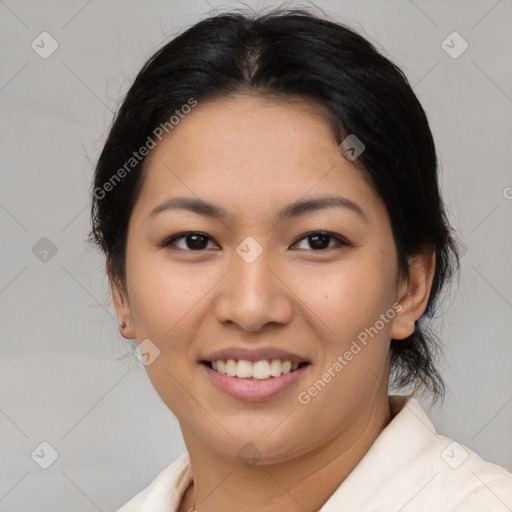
(241,127)
(251,151)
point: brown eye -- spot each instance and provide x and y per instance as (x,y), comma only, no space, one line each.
(320,240)
(189,241)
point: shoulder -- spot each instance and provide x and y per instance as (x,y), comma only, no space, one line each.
(412,468)
(447,475)
(164,493)
(465,481)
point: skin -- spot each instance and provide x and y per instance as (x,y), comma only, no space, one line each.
(252,156)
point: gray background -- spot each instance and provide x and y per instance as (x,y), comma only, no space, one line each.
(64,378)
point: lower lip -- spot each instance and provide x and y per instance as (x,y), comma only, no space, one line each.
(254,390)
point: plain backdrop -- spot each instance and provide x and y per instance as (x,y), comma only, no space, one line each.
(67,376)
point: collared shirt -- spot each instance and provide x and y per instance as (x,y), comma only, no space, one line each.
(408,468)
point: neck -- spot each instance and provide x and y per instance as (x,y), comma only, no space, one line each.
(299,483)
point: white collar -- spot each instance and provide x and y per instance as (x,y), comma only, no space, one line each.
(409,467)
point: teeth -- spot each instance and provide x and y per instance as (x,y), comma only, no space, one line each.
(243,369)
(231,368)
(275,368)
(263,369)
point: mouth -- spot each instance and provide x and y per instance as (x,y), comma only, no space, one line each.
(264,369)
(254,381)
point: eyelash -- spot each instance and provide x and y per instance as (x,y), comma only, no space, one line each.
(341,242)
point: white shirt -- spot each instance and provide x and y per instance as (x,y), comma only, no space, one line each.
(408,468)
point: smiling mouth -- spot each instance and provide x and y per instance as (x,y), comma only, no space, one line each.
(257,370)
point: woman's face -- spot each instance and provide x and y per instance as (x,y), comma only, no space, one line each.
(253,279)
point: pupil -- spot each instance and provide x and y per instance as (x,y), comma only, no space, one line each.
(319,241)
(196,242)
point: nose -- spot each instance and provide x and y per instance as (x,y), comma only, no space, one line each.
(253,295)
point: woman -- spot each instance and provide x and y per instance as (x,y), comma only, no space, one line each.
(268,205)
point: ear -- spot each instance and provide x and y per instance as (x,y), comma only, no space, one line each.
(413,293)
(122,305)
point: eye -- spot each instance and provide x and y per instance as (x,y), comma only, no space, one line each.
(191,241)
(196,241)
(320,240)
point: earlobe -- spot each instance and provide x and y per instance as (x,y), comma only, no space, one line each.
(413,294)
(122,307)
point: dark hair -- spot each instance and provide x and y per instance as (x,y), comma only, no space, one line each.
(292,54)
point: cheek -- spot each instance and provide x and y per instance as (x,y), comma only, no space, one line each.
(167,306)
(355,340)
(163,294)
(352,297)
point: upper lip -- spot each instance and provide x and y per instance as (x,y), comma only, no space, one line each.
(253,355)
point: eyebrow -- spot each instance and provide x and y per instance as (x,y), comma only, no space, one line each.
(294,209)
